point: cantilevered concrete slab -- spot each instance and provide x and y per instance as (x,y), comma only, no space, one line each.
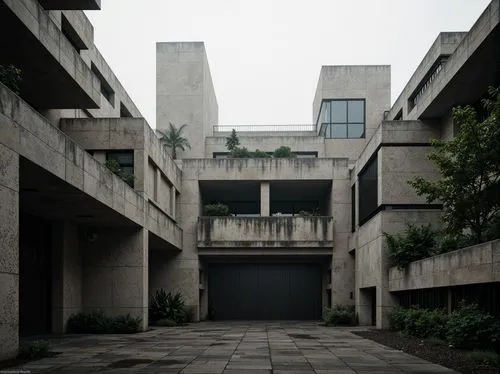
(54,76)
(71,4)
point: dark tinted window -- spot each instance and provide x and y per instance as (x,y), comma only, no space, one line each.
(368,190)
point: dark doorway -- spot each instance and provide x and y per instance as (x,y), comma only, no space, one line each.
(34,275)
(265,291)
(373,296)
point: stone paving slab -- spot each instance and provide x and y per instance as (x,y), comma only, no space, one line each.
(229,348)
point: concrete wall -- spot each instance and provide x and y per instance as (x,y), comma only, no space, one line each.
(157,176)
(445,44)
(372,259)
(116,264)
(372,83)
(476,264)
(268,143)
(249,232)
(400,165)
(185,93)
(67,277)
(92,56)
(264,169)
(9,245)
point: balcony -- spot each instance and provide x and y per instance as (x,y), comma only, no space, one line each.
(265,232)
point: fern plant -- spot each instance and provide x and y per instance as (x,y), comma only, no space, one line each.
(167,306)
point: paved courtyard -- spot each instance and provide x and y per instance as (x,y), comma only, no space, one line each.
(228,348)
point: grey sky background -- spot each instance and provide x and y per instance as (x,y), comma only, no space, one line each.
(265,55)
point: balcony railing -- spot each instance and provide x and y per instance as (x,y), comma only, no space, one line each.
(264,128)
(265,232)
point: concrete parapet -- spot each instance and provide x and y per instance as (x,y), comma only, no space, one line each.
(257,232)
(476,264)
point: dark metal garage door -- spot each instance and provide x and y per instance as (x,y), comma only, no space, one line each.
(264,291)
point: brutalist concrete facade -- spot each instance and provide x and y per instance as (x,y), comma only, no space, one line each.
(101,243)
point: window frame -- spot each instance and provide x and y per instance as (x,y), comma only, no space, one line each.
(326,127)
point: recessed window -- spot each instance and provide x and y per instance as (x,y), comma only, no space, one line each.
(368,191)
(343,119)
(70,33)
(106,89)
(124,112)
(126,161)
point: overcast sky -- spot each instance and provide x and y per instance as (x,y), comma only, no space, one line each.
(265,55)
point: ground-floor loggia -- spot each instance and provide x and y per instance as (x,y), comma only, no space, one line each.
(69,253)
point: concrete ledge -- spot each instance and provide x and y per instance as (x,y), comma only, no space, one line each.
(163,226)
(259,232)
(476,264)
(265,169)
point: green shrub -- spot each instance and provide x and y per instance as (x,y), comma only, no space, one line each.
(96,322)
(467,327)
(490,358)
(397,319)
(115,168)
(238,152)
(11,77)
(416,243)
(34,350)
(166,322)
(125,324)
(167,306)
(340,315)
(313,213)
(470,328)
(283,152)
(216,210)
(260,154)
(424,323)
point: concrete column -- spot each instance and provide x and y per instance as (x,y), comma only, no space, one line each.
(66,275)
(9,250)
(173,201)
(265,196)
(115,272)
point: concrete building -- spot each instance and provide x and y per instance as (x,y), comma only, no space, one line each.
(305,232)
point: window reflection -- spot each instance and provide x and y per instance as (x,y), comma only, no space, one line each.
(343,119)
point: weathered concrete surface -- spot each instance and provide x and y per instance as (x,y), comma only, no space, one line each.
(461,47)
(82,87)
(115,273)
(476,264)
(185,93)
(269,232)
(372,259)
(67,277)
(265,169)
(372,83)
(34,138)
(231,348)
(268,142)
(9,246)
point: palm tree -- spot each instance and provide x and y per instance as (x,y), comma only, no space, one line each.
(173,139)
